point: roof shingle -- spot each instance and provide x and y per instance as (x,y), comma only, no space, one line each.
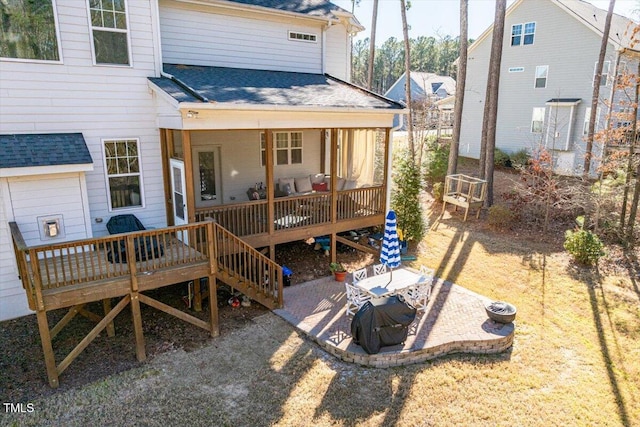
(48,149)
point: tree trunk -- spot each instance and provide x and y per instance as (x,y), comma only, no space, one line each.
(596,92)
(493,87)
(460,86)
(634,209)
(632,144)
(407,66)
(372,44)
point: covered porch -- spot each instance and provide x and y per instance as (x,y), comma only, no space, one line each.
(273,157)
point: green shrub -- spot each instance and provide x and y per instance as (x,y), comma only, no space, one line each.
(520,158)
(584,246)
(438,191)
(500,158)
(405,197)
(501,217)
(437,161)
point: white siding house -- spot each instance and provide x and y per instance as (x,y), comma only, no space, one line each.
(550,49)
(93,81)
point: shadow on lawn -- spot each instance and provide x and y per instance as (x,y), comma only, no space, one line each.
(593,281)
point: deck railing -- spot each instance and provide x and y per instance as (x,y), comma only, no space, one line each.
(94,260)
(251,218)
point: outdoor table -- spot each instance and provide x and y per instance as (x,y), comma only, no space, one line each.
(389,283)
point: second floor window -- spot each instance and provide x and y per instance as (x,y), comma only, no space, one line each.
(537,120)
(523,34)
(604,77)
(109,31)
(542,71)
(29,30)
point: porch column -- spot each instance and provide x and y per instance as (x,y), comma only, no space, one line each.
(166,148)
(334,193)
(388,150)
(323,150)
(268,137)
(188,176)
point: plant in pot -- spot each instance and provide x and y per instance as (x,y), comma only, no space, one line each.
(338,271)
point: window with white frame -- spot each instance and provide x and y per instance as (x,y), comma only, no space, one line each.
(29,30)
(122,169)
(542,71)
(523,34)
(604,77)
(587,118)
(109,31)
(287,148)
(537,120)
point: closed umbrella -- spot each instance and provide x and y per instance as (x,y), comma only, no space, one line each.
(390,253)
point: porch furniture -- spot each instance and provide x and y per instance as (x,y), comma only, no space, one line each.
(145,247)
(382,322)
(418,295)
(464,191)
(384,285)
(359,275)
(379,269)
(356,298)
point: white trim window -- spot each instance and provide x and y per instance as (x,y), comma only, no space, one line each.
(109,32)
(606,70)
(587,116)
(542,72)
(122,172)
(537,120)
(29,31)
(287,148)
(523,34)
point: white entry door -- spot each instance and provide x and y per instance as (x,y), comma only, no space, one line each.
(178,192)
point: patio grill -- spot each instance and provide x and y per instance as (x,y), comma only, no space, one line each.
(382,322)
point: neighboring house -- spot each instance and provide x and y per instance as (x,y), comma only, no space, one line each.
(170,110)
(549,56)
(427,90)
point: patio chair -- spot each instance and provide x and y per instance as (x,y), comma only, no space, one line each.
(145,248)
(379,269)
(359,275)
(426,274)
(356,298)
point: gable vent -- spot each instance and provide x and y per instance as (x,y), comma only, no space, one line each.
(303,37)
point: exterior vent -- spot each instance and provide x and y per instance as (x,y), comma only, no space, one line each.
(302,37)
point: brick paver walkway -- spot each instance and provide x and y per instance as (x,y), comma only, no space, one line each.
(455,321)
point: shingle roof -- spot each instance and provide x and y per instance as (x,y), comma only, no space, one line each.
(621,27)
(243,87)
(320,8)
(25,150)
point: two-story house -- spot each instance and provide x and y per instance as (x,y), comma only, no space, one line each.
(180,110)
(549,56)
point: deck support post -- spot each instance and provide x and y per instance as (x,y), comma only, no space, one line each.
(106,306)
(213,307)
(137,326)
(47,348)
(197,295)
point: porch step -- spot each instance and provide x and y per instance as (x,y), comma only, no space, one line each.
(248,288)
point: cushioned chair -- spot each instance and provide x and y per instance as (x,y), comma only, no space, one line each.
(145,248)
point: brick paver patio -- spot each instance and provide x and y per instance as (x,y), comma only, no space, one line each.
(455,322)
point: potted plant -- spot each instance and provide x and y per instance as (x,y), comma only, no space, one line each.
(338,271)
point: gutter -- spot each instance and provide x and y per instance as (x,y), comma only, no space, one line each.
(184,86)
(213,106)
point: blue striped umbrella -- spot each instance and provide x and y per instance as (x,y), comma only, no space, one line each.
(390,253)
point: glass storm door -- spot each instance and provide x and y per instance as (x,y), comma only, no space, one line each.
(178,192)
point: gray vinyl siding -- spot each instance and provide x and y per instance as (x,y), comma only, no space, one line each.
(192,34)
(563,43)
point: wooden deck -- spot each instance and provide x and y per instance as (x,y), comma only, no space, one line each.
(72,274)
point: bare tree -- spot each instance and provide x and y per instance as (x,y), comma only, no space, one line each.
(372,44)
(632,144)
(488,138)
(460,86)
(596,91)
(407,66)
